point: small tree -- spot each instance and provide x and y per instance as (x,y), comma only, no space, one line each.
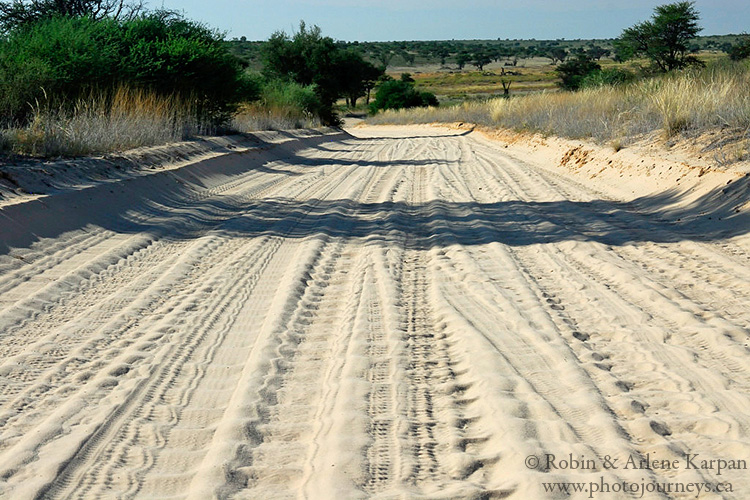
(506,88)
(480,60)
(461,59)
(596,52)
(442,53)
(665,39)
(557,54)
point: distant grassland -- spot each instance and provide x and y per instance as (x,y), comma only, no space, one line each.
(468,84)
(529,76)
(690,102)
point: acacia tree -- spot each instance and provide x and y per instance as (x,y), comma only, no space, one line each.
(461,59)
(480,60)
(665,39)
(442,52)
(557,54)
(357,77)
(20,13)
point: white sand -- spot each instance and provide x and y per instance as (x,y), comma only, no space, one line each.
(409,313)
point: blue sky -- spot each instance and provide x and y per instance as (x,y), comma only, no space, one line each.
(376,20)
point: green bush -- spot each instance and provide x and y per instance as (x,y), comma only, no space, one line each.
(740,50)
(56,61)
(609,76)
(280,94)
(574,71)
(399,94)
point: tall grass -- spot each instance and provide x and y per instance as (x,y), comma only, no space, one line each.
(282,105)
(691,101)
(127,118)
(104,122)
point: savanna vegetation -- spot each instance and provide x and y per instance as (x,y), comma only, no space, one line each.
(82,76)
(655,82)
(78,77)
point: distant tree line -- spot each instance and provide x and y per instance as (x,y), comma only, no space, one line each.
(463,54)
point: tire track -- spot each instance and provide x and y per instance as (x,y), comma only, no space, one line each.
(422,439)
(419,317)
(131,324)
(695,389)
(117,448)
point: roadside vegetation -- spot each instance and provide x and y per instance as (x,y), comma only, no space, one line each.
(74,83)
(692,100)
(401,94)
(90,76)
(658,86)
(80,77)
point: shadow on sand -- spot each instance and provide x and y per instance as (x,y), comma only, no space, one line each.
(167,204)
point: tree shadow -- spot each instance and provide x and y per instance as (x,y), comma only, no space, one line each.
(174,204)
(514,223)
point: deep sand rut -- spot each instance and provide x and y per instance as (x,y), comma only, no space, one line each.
(409,316)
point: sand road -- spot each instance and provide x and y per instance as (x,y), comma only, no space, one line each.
(404,313)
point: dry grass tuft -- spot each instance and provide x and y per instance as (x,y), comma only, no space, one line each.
(258,116)
(104,122)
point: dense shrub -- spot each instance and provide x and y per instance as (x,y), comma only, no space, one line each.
(400,94)
(56,61)
(280,94)
(741,49)
(608,76)
(573,72)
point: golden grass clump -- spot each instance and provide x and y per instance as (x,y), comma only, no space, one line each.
(104,122)
(261,116)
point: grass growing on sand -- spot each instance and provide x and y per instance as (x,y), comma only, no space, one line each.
(282,105)
(127,118)
(693,101)
(104,122)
